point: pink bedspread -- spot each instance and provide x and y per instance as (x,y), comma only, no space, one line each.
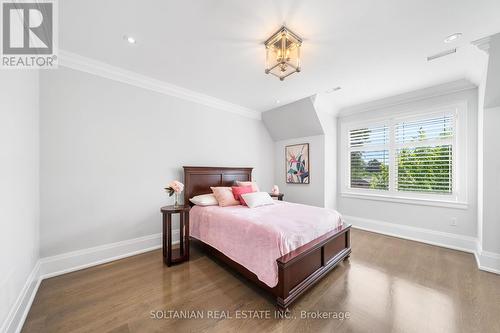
(256,237)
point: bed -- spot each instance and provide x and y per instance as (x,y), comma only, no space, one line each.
(302,258)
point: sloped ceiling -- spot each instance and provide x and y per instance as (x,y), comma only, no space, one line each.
(294,120)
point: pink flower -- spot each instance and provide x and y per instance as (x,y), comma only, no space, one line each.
(176,186)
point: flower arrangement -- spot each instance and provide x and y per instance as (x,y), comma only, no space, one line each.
(175,187)
(275,190)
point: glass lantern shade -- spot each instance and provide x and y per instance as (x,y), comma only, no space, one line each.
(283,53)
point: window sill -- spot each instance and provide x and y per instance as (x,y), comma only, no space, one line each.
(409,201)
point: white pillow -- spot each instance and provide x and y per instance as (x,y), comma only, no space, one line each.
(257,199)
(204,200)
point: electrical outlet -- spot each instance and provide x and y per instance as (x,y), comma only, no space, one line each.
(453,222)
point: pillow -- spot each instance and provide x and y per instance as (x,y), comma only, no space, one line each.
(239,190)
(224,196)
(253,184)
(204,200)
(257,199)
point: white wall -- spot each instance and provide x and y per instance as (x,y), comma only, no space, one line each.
(309,194)
(492,91)
(419,216)
(330,160)
(309,120)
(328,119)
(19,191)
(108,149)
(491,163)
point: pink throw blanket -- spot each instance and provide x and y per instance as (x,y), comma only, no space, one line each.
(256,237)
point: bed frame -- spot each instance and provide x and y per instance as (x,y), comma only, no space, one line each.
(297,270)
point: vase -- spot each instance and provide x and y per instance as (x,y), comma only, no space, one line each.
(176,200)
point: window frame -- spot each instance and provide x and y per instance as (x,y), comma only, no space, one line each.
(458,196)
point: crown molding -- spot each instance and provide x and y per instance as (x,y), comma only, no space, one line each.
(95,67)
(483,44)
(405,98)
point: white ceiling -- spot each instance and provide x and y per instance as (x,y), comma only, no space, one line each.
(372,49)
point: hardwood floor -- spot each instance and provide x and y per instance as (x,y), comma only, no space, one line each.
(388,285)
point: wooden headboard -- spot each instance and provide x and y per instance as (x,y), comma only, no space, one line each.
(198,180)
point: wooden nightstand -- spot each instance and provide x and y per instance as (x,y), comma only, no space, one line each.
(181,254)
(279,196)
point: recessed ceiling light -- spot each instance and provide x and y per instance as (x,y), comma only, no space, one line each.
(278,101)
(333,89)
(130,39)
(452,38)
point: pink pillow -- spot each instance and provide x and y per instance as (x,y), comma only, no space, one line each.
(253,184)
(239,190)
(224,196)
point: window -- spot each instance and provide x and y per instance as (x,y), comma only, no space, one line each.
(424,155)
(408,157)
(369,157)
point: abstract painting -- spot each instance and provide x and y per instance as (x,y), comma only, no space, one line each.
(297,164)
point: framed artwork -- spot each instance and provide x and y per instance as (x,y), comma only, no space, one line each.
(297,164)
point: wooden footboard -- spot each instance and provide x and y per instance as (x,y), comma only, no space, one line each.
(301,268)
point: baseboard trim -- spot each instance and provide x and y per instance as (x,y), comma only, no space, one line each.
(73,261)
(81,259)
(432,237)
(488,261)
(16,317)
